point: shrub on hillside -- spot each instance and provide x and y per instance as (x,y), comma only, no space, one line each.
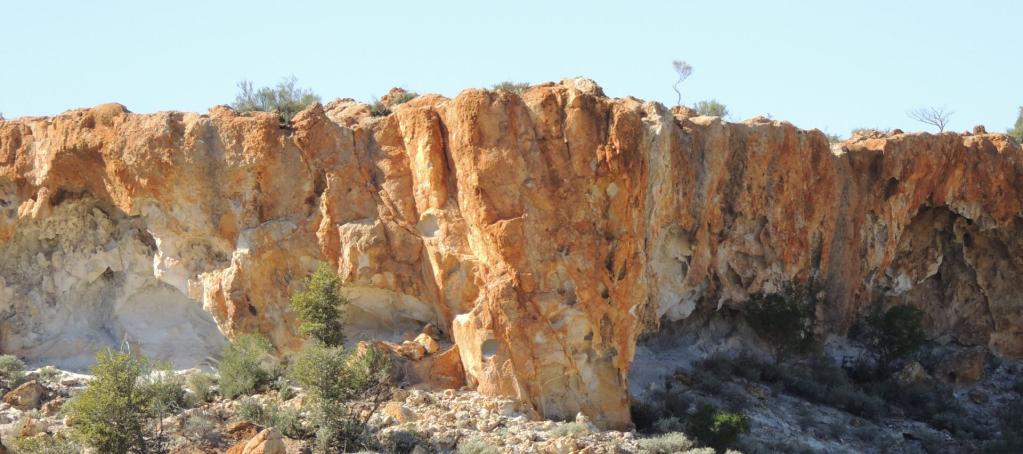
(12,370)
(48,374)
(821,382)
(476,446)
(716,429)
(513,87)
(122,407)
(669,443)
(380,108)
(787,320)
(285,99)
(320,307)
(894,333)
(245,366)
(200,388)
(401,441)
(59,443)
(711,108)
(201,427)
(569,429)
(287,420)
(1017,129)
(333,378)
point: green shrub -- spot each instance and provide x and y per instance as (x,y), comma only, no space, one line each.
(165,396)
(661,404)
(201,428)
(669,424)
(320,307)
(669,443)
(115,410)
(476,446)
(285,99)
(48,374)
(286,419)
(200,388)
(821,382)
(787,320)
(245,366)
(569,429)
(379,108)
(332,378)
(719,430)
(401,441)
(711,108)
(59,443)
(1017,129)
(402,98)
(513,87)
(894,333)
(12,370)
(251,410)
(934,404)
(870,131)
(283,387)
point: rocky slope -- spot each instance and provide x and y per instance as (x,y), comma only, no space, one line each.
(541,232)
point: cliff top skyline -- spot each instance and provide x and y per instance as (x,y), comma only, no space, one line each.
(832,67)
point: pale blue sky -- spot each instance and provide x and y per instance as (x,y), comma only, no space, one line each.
(829,65)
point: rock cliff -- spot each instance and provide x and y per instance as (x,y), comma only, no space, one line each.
(542,232)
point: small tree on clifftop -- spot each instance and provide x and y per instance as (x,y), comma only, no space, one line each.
(1017,129)
(285,99)
(320,307)
(684,70)
(711,108)
(934,116)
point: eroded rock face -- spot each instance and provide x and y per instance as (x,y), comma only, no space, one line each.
(541,232)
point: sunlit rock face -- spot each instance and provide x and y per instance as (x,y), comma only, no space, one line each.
(541,232)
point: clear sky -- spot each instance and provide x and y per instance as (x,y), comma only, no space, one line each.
(819,64)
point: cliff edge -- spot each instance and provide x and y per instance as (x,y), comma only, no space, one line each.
(541,232)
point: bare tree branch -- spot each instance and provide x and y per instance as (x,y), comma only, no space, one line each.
(934,116)
(684,70)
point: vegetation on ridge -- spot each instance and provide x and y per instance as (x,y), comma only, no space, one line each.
(285,99)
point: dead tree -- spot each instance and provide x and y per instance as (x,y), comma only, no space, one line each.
(934,116)
(684,70)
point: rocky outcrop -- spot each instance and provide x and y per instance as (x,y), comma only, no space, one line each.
(543,232)
(28,396)
(268,441)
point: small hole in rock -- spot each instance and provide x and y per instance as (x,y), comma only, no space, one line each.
(489,348)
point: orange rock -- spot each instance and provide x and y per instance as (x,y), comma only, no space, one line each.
(429,344)
(542,232)
(28,396)
(267,441)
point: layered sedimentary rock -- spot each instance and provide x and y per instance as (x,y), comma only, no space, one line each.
(542,232)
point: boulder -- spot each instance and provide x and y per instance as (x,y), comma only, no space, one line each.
(912,374)
(28,396)
(964,366)
(399,412)
(268,441)
(428,342)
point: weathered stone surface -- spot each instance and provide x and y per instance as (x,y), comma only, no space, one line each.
(28,396)
(268,441)
(542,233)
